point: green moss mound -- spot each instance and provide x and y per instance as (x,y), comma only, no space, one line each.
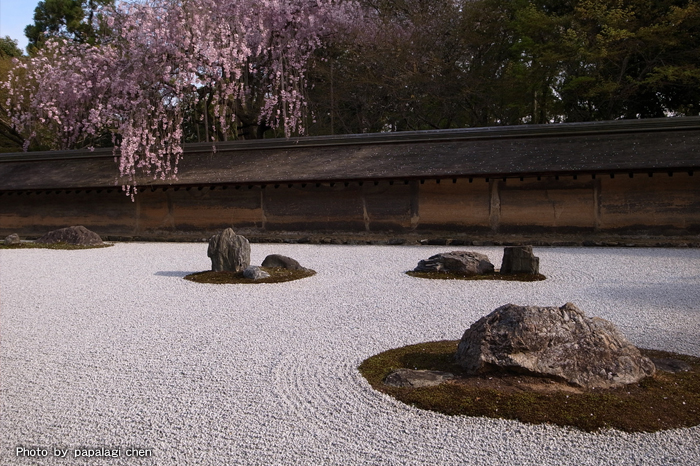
(277,275)
(667,400)
(65,246)
(514,277)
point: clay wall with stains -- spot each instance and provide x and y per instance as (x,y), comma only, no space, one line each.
(582,205)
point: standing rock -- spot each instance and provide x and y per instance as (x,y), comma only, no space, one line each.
(520,259)
(277,260)
(457,262)
(255,272)
(72,235)
(12,239)
(556,342)
(228,251)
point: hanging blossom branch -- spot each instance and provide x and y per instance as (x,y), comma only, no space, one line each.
(137,85)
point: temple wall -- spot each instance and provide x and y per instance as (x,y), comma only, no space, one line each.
(638,205)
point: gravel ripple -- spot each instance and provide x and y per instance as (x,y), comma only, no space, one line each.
(112,348)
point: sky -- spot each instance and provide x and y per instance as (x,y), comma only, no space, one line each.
(15,15)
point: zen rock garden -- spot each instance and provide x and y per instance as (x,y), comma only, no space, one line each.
(230,263)
(534,364)
(519,263)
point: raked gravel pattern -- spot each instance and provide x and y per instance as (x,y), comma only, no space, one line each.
(112,348)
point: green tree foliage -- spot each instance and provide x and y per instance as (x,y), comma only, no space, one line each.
(443,64)
(71,19)
(9,48)
(632,59)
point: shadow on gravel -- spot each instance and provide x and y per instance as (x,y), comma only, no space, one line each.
(683,290)
(620,251)
(177,273)
(276,275)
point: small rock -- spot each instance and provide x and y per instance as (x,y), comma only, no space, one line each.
(396,241)
(12,239)
(457,262)
(671,365)
(437,242)
(554,342)
(278,260)
(254,272)
(228,251)
(416,378)
(519,259)
(72,235)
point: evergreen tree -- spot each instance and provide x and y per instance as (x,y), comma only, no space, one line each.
(76,20)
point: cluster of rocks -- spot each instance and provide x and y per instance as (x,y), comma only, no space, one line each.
(516,259)
(231,252)
(560,343)
(556,342)
(76,235)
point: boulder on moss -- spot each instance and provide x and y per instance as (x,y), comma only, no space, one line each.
(228,251)
(519,259)
(278,260)
(558,342)
(78,235)
(463,262)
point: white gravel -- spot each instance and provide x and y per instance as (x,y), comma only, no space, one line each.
(112,348)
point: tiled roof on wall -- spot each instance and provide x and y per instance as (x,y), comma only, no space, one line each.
(670,144)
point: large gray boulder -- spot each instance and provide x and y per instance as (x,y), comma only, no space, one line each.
(12,239)
(78,235)
(228,251)
(465,262)
(549,341)
(278,260)
(519,259)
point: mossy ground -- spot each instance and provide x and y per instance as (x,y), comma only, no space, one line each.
(665,401)
(514,277)
(277,275)
(65,246)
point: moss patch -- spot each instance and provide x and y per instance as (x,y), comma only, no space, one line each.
(511,277)
(65,246)
(667,400)
(277,275)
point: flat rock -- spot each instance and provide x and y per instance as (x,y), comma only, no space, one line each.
(519,259)
(228,251)
(78,235)
(412,378)
(12,239)
(671,365)
(278,260)
(466,262)
(555,342)
(254,272)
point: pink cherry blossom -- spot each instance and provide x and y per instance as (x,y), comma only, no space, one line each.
(137,84)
